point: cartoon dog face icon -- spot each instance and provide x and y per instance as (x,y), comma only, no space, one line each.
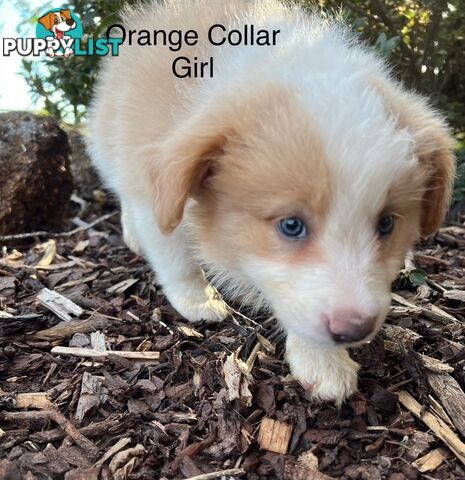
(58,22)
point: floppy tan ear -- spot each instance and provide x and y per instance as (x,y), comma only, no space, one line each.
(47,20)
(66,13)
(183,163)
(434,147)
(436,155)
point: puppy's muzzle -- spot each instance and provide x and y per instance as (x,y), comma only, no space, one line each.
(350,326)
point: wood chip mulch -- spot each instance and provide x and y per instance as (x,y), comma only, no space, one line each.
(101,379)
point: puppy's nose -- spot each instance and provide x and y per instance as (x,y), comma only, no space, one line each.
(69,22)
(350,327)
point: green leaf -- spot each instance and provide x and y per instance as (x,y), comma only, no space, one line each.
(417,277)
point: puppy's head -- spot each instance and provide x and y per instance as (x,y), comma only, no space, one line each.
(313,200)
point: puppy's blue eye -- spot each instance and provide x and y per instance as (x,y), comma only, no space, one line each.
(293,227)
(385,225)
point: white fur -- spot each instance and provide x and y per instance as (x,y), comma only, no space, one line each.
(139,104)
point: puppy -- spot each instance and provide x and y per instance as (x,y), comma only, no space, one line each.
(300,174)
(58,23)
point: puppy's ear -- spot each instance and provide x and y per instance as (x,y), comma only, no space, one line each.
(434,147)
(435,150)
(47,20)
(66,14)
(183,163)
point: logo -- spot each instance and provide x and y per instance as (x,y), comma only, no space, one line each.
(60,33)
(64,27)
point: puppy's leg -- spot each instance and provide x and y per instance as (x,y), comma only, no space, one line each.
(328,371)
(183,281)
(129,233)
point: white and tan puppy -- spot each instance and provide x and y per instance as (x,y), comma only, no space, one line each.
(301,173)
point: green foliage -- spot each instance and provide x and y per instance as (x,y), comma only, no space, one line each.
(66,86)
(410,279)
(424,41)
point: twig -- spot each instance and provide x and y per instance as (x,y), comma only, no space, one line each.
(433,28)
(436,424)
(43,233)
(119,445)
(58,418)
(91,431)
(72,431)
(220,473)
(90,353)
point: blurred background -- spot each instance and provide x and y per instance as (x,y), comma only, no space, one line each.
(422,40)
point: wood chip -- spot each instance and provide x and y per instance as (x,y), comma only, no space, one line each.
(458,295)
(189,332)
(73,283)
(121,287)
(418,444)
(308,460)
(433,313)
(61,306)
(32,400)
(50,249)
(439,315)
(67,329)
(91,353)
(238,379)
(92,395)
(438,409)
(436,424)
(274,436)
(123,458)
(97,341)
(20,266)
(434,365)
(7,287)
(81,246)
(402,301)
(431,461)
(119,445)
(231,472)
(144,346)
(396,335)
(451,396)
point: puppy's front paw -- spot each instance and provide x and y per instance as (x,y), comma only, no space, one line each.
(327,372)
(128,235)
(196,304)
